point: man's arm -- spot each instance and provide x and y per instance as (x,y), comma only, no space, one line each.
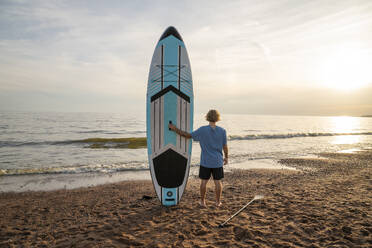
(226,152)
(179,131)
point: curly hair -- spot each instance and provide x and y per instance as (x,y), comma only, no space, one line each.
(212,115)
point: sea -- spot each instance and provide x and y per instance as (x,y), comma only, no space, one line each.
(50,151)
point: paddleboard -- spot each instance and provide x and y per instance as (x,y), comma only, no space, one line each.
(170,99)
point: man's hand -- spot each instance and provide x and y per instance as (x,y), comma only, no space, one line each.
(226,151)
(172,127)
(179,131)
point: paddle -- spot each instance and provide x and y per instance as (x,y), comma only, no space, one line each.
(256,197)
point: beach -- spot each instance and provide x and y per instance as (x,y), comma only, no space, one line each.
(326,202)
(107,106)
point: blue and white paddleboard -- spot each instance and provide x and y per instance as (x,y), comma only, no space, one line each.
(169,99)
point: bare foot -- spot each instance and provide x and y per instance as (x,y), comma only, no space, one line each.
(219,204)
(202,204)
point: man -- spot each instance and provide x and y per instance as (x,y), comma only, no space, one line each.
(212,141)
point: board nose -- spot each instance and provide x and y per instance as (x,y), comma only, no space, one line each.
(171,31)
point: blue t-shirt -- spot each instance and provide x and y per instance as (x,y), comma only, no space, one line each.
(211,142)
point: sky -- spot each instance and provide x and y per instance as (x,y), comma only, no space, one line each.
(279,57)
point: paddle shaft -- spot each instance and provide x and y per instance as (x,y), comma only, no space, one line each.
(239,211)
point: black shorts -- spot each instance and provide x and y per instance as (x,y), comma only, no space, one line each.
(205,173)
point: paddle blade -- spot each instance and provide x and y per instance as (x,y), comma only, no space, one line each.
(257,197)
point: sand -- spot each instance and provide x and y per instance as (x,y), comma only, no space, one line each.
(326,203)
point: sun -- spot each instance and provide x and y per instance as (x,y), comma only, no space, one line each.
(346,69)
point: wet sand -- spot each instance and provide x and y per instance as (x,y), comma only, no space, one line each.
(327,202)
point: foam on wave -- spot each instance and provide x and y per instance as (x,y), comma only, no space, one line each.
(96,168)
(289,135)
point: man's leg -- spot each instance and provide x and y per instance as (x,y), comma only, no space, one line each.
(203,190)
(218,185)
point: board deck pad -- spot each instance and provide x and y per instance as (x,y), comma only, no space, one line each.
(170,99)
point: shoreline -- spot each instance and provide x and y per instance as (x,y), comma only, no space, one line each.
(57,181)
(329,205)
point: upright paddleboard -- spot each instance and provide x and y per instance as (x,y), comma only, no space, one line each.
(170,99)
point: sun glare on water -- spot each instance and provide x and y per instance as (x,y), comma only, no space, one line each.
(345,125)
(346,69)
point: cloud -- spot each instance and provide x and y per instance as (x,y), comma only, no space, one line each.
(68,52)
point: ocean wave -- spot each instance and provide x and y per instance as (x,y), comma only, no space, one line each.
(130,143)
(92,131)
(98,168)
(19,143)
(141,142)
(110,132)
(289,135)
